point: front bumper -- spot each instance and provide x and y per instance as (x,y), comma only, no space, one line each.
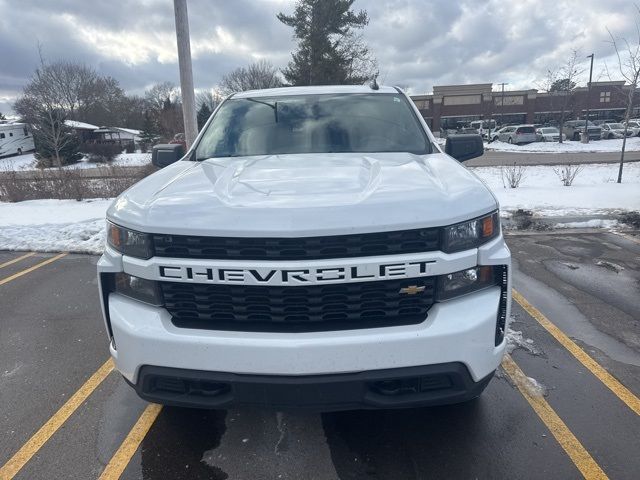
(393,388)
(458,332)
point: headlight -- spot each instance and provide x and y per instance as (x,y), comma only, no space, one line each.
(466,281)
(129,242)
(471,234)
(141,289)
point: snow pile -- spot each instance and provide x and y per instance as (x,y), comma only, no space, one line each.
(53,225)
(602,146)
(594,190)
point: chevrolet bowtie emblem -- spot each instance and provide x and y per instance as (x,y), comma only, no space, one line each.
(412,289)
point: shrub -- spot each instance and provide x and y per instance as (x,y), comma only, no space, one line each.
(45,154)
(568,173)
(513,175)
(631,218)
(101,152)
(69,183)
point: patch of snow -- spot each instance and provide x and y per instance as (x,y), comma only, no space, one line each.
(18,162)
(593,223)
(515,340)
(594,190)
(81,125)
(535,387)
(53,225)
(615,145)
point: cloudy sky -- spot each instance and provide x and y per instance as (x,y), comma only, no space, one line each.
(418,43)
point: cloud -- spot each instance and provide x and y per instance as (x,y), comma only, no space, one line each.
(418,43)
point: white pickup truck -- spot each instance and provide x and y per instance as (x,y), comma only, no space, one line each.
(314,248)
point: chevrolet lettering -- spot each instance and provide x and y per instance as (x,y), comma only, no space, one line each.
(315,248)
(262,276)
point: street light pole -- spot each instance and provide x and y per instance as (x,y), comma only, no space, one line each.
(186,72)
(585,136)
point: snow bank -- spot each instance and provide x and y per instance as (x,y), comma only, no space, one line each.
(633,145)
(593,192)
(53,225)
(67,225)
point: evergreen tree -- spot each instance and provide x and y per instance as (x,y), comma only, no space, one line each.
(149,134)
(329,50)
(203,115)
(2,117)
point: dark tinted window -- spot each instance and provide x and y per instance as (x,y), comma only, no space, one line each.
(313,124)
(526,130)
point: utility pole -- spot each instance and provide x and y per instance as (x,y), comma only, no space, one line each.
(186,73)
(502,103)
(585,136)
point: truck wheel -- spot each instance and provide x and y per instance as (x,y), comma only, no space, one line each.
(576,137)
(610,137)
(510,140)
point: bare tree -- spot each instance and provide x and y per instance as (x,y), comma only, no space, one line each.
(159,93)
(44,107)
(260,74)
(628,56)
(568,173)
(560,84)
(211,98)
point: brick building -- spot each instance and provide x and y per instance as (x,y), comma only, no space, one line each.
(453,105)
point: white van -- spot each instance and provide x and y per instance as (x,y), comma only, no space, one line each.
(15,139)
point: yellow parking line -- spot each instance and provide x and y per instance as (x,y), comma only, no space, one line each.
(16,260)
(29,449)
(622,392)
(121,458)
(567,440)
(31,269)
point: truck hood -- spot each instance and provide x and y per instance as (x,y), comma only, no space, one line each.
(303,195)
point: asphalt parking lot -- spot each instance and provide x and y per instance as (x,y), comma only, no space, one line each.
(564,404)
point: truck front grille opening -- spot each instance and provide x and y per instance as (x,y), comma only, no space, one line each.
(301,308)
(181,386)
(301,248)
(411,386)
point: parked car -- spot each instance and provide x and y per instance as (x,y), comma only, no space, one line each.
(482,127)
(549,134)
(496,133)
(518,134)
(634,126)
(614,130)
(574,129)
(299,285)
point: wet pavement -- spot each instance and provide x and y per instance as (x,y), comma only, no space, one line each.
(586,283)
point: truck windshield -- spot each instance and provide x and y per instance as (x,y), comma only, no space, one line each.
(326,123)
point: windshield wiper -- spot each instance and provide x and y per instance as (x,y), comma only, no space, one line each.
(273,105)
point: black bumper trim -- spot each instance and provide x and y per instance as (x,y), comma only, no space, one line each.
(427,385)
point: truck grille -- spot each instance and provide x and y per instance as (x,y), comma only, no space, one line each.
(303,248)
(297,309)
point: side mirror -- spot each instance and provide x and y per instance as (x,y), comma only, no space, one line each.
(464,147)
(166,154)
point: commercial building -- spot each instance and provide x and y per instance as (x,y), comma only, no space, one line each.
(451,106)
